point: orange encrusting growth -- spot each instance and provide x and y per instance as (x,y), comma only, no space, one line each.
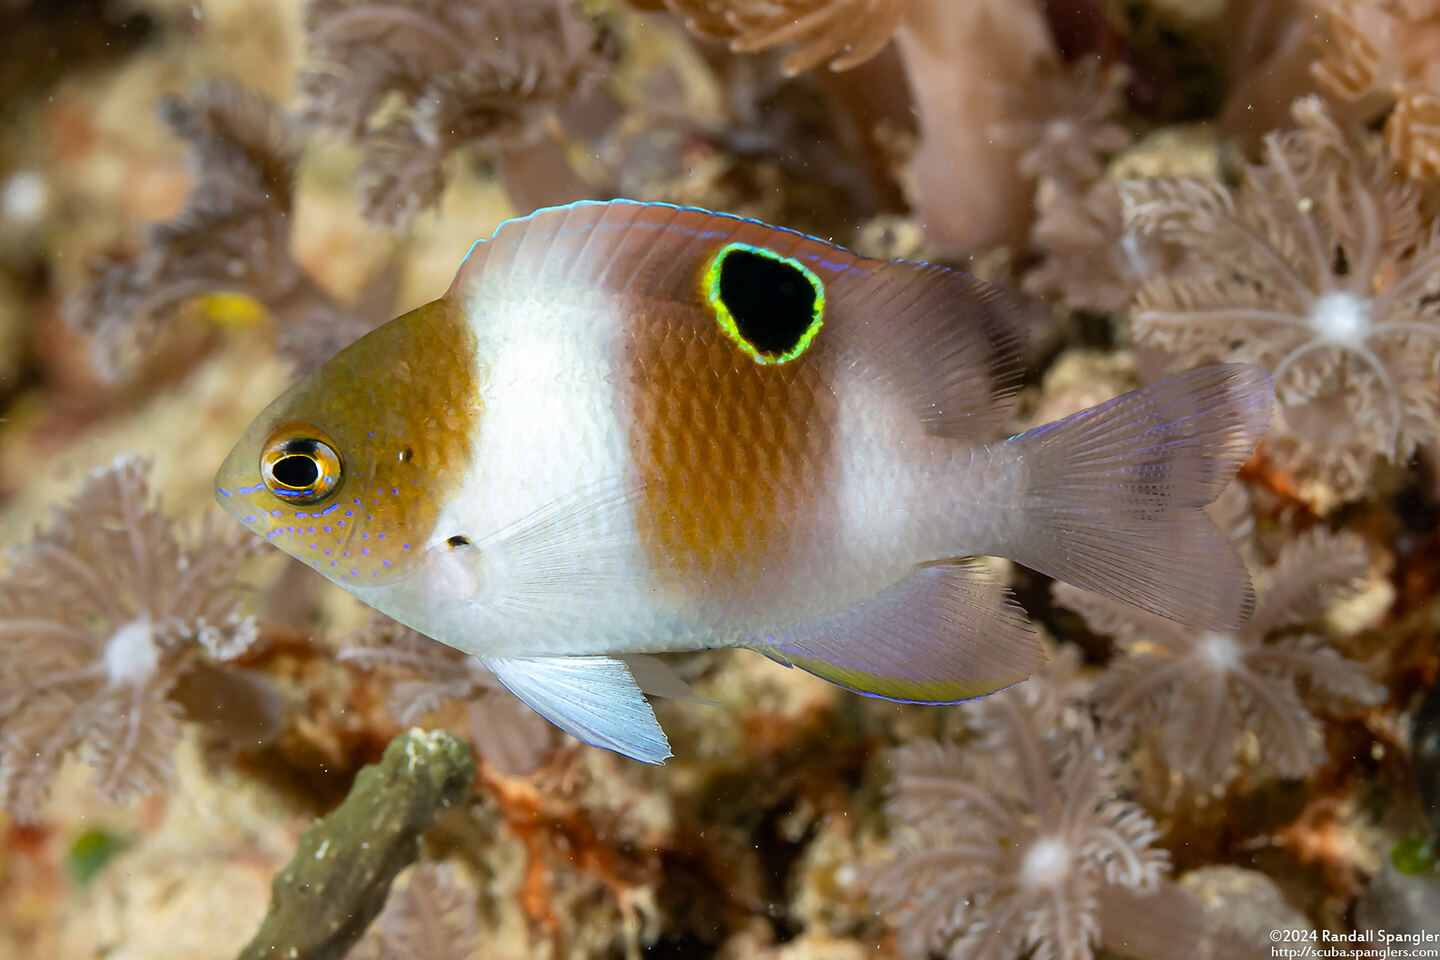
(737,458)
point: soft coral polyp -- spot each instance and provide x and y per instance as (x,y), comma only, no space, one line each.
(1320,267)
(130,656)
(100,616)
(1047,863)
(1194,694)
(1341,318)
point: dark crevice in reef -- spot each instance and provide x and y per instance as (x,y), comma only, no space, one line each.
(740,844)
(42,42)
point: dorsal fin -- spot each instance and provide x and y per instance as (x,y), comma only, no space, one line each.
(944,338)
(941,338)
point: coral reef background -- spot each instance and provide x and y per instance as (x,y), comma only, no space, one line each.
(200,200)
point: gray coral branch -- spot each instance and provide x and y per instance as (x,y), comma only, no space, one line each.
(323,901)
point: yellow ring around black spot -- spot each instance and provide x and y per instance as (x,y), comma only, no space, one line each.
(806,327)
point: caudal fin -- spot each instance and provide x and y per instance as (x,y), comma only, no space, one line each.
(1114,494)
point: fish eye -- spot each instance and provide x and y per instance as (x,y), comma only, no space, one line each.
(299,469)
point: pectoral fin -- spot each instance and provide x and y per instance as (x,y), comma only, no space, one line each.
(561,563)
(594,699)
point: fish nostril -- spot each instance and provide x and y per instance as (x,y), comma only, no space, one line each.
(459,540)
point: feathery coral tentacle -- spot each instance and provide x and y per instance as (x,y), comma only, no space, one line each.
(486,73)
(100,616)
(1009,864)
(1193,691)
(1302,268)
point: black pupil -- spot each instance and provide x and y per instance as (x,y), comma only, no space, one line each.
(296,470)
(773,303)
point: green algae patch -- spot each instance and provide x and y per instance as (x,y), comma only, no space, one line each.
(90,852)
(1414,855)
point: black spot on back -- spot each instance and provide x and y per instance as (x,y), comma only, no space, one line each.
(772,301)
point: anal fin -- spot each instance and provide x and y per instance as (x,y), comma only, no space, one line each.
(945,633)
(594,699)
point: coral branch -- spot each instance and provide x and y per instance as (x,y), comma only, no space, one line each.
(325,898)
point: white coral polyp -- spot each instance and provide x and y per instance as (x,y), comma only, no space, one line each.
(1342,318)
(1221,651)
(1047,863)
(131,655)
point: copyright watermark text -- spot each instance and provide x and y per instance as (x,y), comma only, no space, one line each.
(1299,942)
